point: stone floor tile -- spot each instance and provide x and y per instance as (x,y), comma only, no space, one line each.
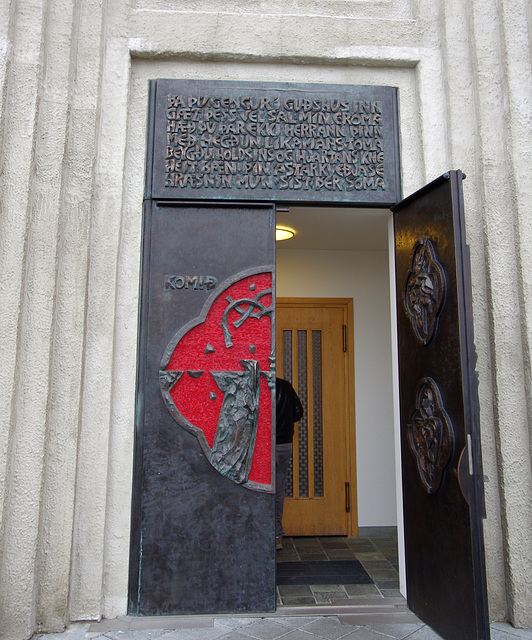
(212,633)
(386,584)
(301,543)
(141,623)
(361,590)
(294,590)
(287,555)
(74,632)
(370,556)
(167,634)
(425,633)
(138,634)
(376,564)
(391,593)
(310,556)
(329,597)
(297,622)
(339,554)
(329,627)
(233,623)
(362,545)
(265,629)
(288,541)
(294,601)
(363,633)
(315,588)
(505,631)
(234,635)
(378,575)
(300,634)
(333,543)
(399,631)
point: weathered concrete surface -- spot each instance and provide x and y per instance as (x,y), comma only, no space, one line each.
(73,82)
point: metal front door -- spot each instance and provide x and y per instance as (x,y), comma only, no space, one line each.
(441,463)
(203,510)
(310,349)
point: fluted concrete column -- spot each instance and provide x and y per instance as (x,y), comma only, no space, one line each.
(68,340)
(462,98)
(48,144)
(36,115)
(502,94)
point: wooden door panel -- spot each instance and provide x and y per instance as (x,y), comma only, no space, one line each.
(310,356)
(439,413)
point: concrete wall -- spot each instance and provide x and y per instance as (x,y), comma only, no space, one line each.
(363,276)
(73,87)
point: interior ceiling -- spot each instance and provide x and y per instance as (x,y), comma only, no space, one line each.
(335,228)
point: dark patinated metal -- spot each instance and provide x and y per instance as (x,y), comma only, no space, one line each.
(443,533)
(424,291)
(431,435)
(234,441)
(264,141)
(202,537)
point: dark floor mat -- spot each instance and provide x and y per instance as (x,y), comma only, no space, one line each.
(322,572)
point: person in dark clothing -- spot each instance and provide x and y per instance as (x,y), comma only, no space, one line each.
(288,411)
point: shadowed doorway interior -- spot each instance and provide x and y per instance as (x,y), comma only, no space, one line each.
(339,256)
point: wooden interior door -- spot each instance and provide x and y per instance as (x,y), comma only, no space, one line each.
(312,354)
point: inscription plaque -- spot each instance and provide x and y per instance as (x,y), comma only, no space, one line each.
(265,141)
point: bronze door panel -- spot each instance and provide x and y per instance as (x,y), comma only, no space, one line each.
(443,499)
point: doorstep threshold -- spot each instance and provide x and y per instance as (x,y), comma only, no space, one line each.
(359,611)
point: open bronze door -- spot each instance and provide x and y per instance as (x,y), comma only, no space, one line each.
(440,443)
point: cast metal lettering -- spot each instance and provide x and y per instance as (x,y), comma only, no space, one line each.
(190,282)
(275,143)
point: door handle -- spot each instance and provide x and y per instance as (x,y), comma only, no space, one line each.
(465,470)
(347,497)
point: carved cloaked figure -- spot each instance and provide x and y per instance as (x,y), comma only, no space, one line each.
(424,291)
(431,435)
(234,441)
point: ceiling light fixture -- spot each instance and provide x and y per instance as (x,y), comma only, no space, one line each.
(284,233)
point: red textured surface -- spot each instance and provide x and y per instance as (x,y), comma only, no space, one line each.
(192,395)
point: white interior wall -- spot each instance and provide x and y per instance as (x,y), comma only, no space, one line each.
(363,276)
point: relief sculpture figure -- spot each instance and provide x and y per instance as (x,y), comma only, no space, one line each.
(211,375)
(424,291)
(234,441)
(430,435)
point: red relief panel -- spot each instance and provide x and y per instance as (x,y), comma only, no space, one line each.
(217,375)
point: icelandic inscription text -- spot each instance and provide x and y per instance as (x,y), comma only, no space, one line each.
(265,143)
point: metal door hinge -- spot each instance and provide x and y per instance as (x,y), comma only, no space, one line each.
(344,336)
(347,498)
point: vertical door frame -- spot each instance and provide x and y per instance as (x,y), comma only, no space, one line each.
(346,304)
(396,410)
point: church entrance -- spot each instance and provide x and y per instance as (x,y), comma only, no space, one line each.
(202,534)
